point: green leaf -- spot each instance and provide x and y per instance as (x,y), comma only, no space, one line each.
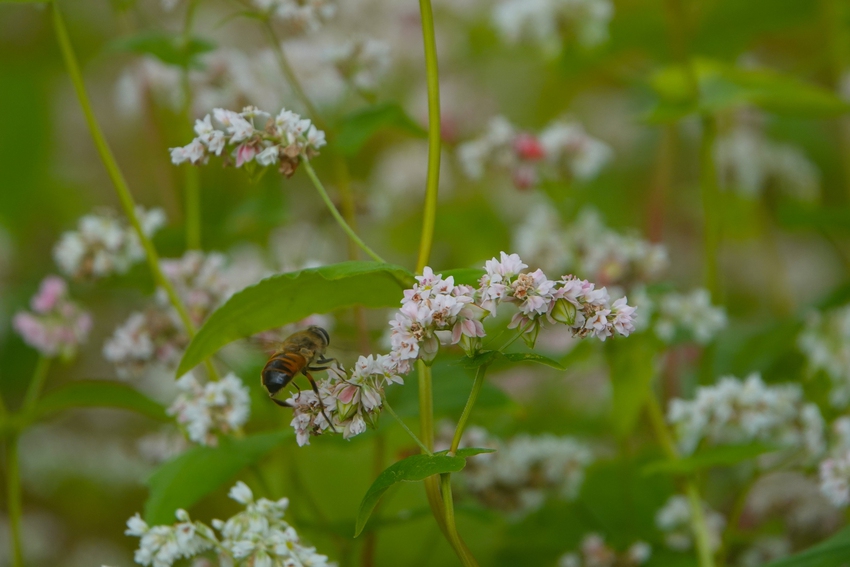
(287,298)
(98,393)
(467,452)
(632,366)
(492,356)
(411,469)
(185,479)
(724,455)
(357,128)
(834,552)
(167,47)
(723,86)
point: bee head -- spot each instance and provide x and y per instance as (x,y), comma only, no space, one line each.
(321,332)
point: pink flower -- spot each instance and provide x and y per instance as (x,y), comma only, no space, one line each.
(51,290)
(245,153)
(528,147)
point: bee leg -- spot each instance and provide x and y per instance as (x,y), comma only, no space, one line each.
(282,404)
(323,360)
(321,403)
(317,368)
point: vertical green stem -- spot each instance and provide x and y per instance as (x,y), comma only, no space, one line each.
(711,206)
(37,383)
(192,176)
(335,213)
(467,410)
(451,528)
(433,179)
(698,524)
(13,498)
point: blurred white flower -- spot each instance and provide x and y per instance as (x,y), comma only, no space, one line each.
(674,519)
(217,407)
(594,552)
(543,21)
(57,326)
(835,479)
(688,314)
(825,342)
(362,62)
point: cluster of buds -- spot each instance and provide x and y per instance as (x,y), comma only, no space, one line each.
(523,472)
(352,401)
(104,244)
(220,407)
(542,22)
(574,302)
(595,552)
(257,536)
(298,15)
(675,520)
(362,63)
(253,136)
(735,411)
(825,342)
(56,326)
(562,148)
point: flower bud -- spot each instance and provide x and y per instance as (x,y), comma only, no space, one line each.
(470,345)
(345,410)
(428,350)
(564,312)
(371,418)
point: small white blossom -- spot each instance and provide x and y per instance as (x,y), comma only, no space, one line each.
(674,519)
(56,326)
(217,407)
(690,315)
(542,21)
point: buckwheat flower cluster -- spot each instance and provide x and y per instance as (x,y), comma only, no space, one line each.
(835,479)
(255,537)
(352,401)
(204,411)
(56,326)
(300,15)
(253,136)
(749,163)
(435,311)
(200,279)
(542,21)
(524,471)
(577,303)
(690,315)
(104,244)
(674,519)
(588,247)
(764,550)
(563,148)
(594,552)
(362,63)
(736,411)
(825,342)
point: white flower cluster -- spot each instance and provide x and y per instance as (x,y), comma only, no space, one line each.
(523,471)
(596,553)
(542,21)
(577,303)
(735,411)
(216,407)
(835,470)
(825,342)
(688,315)
(588,247)
(351,401)
(253,136)
(256,537)
(562,148)
(300,15)
(57,325)
(748,163)
(104,244)
(157,334)
(764,550)
(674,519)
(362,63)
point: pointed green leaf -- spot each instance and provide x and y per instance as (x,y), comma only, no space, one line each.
(358,127)
(724,455)
(411,469)
(834,552)
(493,356)
(287,298)
(185,479)
(632,366)
(97,393)
(467,452)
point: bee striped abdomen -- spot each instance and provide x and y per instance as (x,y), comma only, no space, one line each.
(281,369)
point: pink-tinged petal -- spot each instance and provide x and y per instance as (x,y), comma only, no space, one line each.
(244,153)
(347,394)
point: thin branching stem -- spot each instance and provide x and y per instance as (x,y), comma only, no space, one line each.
(467,409)
(405,427)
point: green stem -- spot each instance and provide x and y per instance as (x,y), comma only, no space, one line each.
(466,558)
(405,427)
(711,206)
(341,221)
(433,179)
(117,177)
(14,497)
(36,384)
(467,410)
(192,177)
(518,335)
(698,524)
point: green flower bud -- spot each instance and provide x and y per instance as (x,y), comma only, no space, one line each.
(564,312)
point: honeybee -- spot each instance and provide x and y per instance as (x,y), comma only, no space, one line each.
(297,353)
